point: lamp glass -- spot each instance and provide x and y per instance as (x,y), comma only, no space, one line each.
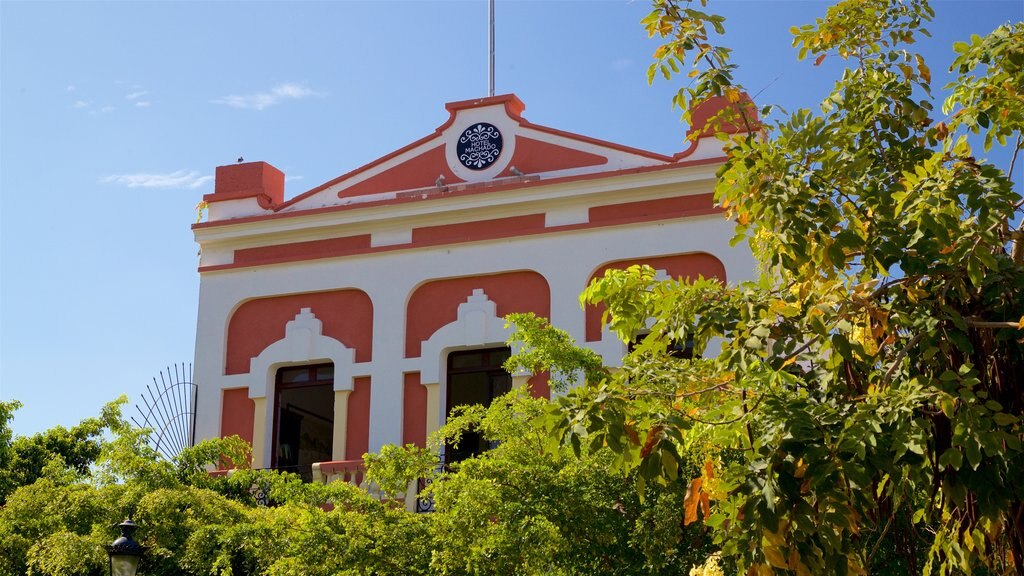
(123,564)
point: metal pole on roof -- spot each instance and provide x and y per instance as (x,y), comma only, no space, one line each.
(490,44)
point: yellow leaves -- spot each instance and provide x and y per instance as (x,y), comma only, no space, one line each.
(691,501)
(801,290)
(201,207)
(698,495)
(1020,323)
(783,308)
(760,570)
(774,557)
(773,545)
(660,52)
(801,469)
(654,436)
(801,569)
(863,335)
(732,94)
(711,567)
(922,69)
(743,218)
(914,294)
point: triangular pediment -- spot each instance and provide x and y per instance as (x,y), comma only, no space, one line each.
(483,140)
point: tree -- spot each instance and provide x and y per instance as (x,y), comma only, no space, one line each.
(195,523)
(24,458)
(867,398)
(516,509)
(519,509)
(863,412)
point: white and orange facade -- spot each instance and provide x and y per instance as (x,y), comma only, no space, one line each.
(381,274)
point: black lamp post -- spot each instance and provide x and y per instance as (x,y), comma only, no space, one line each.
(125,553)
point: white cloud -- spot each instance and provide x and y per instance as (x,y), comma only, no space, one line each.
(620,64)
(262,100)
(143,104)
(136,95)
(180,179)
(107,109)
(71,88)
(80,104)
(290,178)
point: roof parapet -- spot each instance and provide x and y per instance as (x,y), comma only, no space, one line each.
(245,189)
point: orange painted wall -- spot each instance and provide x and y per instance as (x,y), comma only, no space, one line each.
(661,208)
(237,411)
(477,230)
(534,156)
(511,227)
(680,266)
(436,303)
(539,385)
(303,250)
(357,437)
(347,316)
(414,411)
(419,172)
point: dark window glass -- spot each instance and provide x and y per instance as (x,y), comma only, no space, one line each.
(303,419)
(475,377)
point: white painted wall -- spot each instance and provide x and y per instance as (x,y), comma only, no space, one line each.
(566,259)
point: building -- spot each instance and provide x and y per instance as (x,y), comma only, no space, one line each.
(356,314)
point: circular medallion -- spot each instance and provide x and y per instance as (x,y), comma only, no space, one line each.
(479,146)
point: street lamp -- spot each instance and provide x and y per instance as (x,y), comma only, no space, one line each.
(125,553)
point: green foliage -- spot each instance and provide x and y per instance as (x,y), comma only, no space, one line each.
(544,348)
(193,523)
(863,412)
(522,509)
(859,408)
(396,467)
(24,458)
(518,509)
(989,102)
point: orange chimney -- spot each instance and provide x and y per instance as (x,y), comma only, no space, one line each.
(248,180)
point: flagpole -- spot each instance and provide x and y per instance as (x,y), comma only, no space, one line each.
(490,44)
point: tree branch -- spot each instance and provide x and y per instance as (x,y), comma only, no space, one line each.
(899,358)
(990,325)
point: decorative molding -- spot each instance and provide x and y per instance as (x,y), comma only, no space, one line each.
(464,121)
(303,343)
(477,325)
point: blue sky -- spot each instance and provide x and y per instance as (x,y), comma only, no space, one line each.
(113,116)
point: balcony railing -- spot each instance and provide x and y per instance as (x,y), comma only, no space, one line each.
(354,472)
